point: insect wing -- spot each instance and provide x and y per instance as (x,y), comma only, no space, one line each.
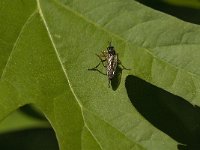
(114,63)
(111,66)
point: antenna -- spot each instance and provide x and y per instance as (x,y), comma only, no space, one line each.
(109,44)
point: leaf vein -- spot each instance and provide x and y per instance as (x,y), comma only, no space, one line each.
(64,70)
(16,42)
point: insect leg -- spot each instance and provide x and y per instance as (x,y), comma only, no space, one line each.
(95,69)
(100,72)
(104,54)
(102,60)
(120,63)
(124,67)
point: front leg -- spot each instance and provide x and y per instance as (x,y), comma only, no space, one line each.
(102,60)
(95,69)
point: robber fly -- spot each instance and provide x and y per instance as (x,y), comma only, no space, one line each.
(109,59)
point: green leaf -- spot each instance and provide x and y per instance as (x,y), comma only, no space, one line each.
(47,47)
(19,121)
(164,49)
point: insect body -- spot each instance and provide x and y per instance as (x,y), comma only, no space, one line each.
(109,59)
(112,62)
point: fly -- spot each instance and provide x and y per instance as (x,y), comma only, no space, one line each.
(109,59)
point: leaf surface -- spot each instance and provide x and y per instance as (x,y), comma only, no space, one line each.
(165,48)
(48,57)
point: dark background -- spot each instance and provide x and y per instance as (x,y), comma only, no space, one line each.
(186,13)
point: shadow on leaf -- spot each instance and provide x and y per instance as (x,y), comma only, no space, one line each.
(115,82)
(32,111)
(167,112)
(31,139)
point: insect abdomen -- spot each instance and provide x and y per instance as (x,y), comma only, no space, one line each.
(111,66)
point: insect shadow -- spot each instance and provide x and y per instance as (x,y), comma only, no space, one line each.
(167,112)
(116,80)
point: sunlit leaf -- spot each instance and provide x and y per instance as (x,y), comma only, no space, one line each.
(46,50)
